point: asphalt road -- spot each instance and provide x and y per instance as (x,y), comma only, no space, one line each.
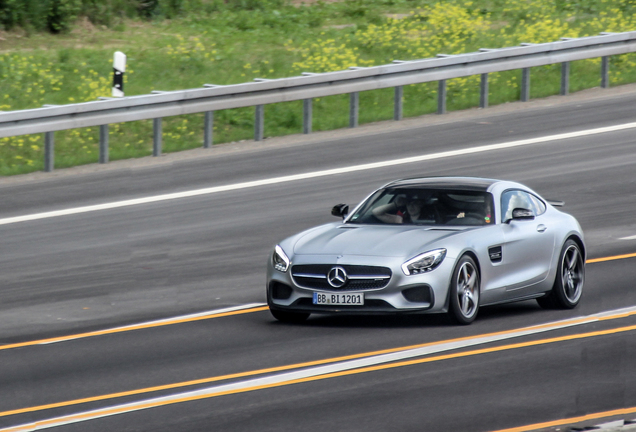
(98,270)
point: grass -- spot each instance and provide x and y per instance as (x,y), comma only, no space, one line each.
(234,46)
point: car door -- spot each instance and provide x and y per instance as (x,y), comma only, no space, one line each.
(528,243)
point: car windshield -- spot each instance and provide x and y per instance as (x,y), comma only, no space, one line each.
(420,206)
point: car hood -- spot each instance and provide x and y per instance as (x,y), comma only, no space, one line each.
(369,240)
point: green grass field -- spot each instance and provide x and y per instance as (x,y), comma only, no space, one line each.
(236,45)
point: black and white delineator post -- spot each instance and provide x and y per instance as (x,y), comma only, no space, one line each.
(119,67)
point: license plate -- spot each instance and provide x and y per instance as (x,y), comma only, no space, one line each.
(338,299)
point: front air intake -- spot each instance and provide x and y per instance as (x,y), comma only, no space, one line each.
(279,291)
(419,294)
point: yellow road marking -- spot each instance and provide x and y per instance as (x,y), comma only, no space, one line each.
(153,404)
(279,368)
(611,258)
(256,372)
(587,417)
(129,328)
(321,362)
(191,319)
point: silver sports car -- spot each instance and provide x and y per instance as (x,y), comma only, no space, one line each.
(440,244)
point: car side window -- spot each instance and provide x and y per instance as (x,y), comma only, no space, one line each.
(513,199)
(538,205)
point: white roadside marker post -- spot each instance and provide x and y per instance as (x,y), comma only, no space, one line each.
(119,67)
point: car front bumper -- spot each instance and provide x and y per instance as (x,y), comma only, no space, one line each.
(427,292)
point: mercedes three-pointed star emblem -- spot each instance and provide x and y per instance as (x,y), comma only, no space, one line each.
(337,277)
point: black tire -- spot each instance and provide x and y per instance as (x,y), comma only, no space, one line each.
(465,291)
(568,284)
(289,317)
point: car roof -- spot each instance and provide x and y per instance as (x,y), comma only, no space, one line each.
(463,183)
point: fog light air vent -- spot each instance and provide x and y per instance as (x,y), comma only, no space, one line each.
(418,294)
(280,291)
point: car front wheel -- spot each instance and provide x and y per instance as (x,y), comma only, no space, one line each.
(464,291)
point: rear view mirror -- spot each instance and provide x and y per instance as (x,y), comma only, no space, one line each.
(522,214)
(340,210)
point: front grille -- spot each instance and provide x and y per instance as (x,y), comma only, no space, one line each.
(359,278)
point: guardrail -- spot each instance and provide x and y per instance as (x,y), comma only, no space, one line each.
(212,98)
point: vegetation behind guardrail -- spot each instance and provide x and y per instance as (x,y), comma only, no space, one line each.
(233,44)
(57,16)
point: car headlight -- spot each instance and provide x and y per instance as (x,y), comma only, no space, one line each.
(424,262)
(280,259)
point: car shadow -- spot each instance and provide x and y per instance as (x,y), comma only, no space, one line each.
(526,307)
(489,313)
(379,321)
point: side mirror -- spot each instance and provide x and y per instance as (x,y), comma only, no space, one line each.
(522,214)
(340,210)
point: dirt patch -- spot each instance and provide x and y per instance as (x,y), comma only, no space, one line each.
(8,36)
(83,25)
(398,16)
(340,26)
(312,2)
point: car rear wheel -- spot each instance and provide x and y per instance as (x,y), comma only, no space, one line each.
(464,291)
(289,317)
(568,284)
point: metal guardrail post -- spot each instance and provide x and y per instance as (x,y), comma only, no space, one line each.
(397,103)
(307,115)
(354,108)
(605,72)
(156,137)
(441,97)
(208,129)
(525,84)
(259,122)
(483,91)
(103,144)
(49,151)
(565,78)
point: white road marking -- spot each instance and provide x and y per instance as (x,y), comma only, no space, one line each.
(310,372)
(164,321)
(611,425)
(314,174)
(628,238)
